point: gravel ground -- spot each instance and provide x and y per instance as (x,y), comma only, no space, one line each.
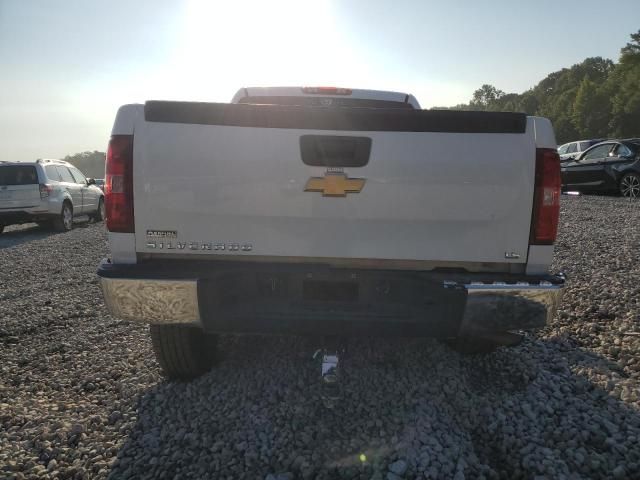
(81,395)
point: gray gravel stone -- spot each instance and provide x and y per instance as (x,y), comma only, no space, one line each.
(398,467)
(619,472)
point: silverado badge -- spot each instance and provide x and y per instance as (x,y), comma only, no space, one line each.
(334,185)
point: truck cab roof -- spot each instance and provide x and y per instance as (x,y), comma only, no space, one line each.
(325,96)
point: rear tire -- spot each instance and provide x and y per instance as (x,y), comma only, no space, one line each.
(183,352)
(99,215)
(64,221)
(630,185)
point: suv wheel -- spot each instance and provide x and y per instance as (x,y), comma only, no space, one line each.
(64,222)
(183,352)
(630,185)
(99,215)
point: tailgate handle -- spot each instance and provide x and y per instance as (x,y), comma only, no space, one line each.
(335,150)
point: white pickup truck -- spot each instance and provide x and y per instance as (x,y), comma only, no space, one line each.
(327,211)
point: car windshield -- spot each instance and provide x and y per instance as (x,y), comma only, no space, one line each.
(18,175)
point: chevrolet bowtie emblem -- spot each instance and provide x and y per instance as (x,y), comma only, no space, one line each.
(334,185)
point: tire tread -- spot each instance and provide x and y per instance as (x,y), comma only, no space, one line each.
(96,216)
(182,352)
(57,222)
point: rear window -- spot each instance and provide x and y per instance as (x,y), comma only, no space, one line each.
(77,175)
(65,175)
(18,175)
(324,102)
(52,173)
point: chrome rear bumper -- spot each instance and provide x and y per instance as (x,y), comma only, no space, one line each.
(499,306)
(479,306)
(152,301)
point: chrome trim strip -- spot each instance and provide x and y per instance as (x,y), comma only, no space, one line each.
(368,263)
(512,286)
(152,301)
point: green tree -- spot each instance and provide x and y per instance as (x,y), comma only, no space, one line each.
(632,49)
(594,98)
(485,96)
(554,97)
(624,86)
(89,163)
(591,110)
(528,103)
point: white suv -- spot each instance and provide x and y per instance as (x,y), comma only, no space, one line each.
(51,192)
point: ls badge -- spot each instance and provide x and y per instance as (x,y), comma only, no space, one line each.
(334,185)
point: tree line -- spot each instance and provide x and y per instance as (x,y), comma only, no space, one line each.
(89,163)
(593,99)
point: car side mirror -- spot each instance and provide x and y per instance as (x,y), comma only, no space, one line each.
(91,181)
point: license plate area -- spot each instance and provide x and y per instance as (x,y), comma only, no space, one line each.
(330,291)
(302,300)
(321,288)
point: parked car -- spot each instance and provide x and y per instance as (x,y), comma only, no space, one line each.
(571,150)
(49,192)
(100,183)
(613,165)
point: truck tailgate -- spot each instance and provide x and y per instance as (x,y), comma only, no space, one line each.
(436,185)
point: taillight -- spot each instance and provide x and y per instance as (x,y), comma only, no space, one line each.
(546,197)
(327,90)
(45,190)
(118,185)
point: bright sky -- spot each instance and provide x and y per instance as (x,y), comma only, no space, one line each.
(66,66)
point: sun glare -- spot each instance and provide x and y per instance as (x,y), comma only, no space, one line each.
(220,47)
(281,42)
